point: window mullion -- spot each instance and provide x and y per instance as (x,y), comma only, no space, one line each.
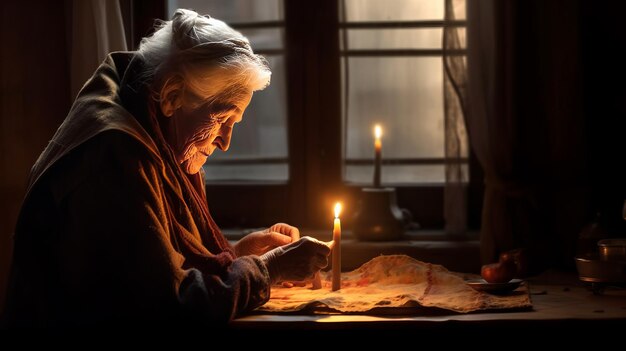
(401,24)
(400,52)
(314,109)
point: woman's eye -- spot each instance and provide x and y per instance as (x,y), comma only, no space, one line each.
(217,120)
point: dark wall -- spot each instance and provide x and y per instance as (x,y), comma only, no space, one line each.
(603,43)
(34,99)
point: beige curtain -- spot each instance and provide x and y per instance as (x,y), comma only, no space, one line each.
(455,81)
(96,29)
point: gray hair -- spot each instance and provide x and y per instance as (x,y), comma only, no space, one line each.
(211,57)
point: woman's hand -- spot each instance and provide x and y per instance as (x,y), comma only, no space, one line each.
(258,243)
(297,261)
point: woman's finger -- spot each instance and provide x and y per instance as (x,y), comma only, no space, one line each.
(286,229)
(273,239)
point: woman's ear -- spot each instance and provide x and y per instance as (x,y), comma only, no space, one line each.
(171,95)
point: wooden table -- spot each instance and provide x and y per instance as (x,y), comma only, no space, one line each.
(561,305)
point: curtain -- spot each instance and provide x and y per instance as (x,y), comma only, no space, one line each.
(96,29)
(526,126)
(455,85)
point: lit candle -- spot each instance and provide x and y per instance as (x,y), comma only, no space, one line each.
(337,250)
(378,146)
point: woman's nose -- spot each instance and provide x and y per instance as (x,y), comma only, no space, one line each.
(225,134)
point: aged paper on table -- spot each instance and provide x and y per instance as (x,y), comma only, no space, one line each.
(391,282)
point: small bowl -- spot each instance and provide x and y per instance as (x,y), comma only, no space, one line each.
(595,270)
(612,249)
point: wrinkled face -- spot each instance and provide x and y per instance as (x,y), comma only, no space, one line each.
(199,127)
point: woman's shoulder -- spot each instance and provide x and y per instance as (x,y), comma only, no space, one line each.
(110,153)
(115,148)
(108,160)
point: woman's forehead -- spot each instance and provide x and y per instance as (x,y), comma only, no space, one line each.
(236,95)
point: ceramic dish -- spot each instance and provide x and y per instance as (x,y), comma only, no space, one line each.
(494,288)
(593,268)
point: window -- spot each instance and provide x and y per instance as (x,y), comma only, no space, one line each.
(306,141)
(392,74)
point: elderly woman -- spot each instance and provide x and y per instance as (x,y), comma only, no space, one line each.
(115,226)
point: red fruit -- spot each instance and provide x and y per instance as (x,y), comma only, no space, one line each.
(501,272)
(518,257)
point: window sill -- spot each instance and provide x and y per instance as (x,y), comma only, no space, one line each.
(460,255)
(244,182)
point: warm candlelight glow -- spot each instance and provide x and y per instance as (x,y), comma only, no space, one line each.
(336,259)
(378,131)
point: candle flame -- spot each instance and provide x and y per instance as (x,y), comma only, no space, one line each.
(378,131)
(337,209)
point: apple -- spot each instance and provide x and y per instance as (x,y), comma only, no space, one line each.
(501,272)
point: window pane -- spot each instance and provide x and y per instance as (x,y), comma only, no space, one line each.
(458,7)
(404,95)
(398,174)
(263,39)
(409,38)
(233,11)
(462,37)
(394,10)
(246,173)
